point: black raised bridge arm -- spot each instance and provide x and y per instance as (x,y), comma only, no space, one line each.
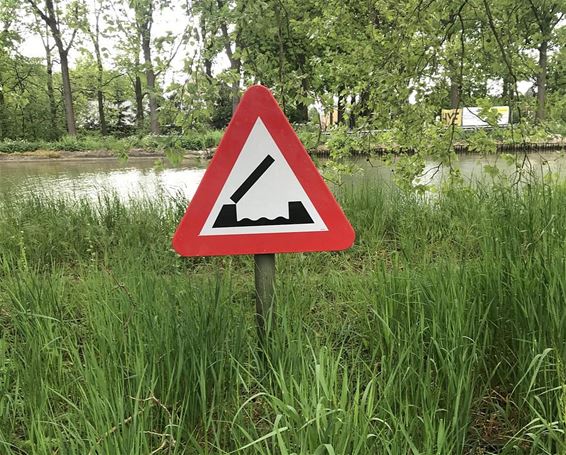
(253,177)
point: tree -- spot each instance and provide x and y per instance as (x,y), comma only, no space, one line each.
(547,15)
(23,106)
(128,59)
(6,42)
(51,15)
(278,51)
(221,26)
(157,51)
(143,10)
(43,31)
(94,33)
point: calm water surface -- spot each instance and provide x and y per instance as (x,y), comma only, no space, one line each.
(143,178)
(90,178)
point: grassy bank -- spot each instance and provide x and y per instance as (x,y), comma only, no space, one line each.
(337,143)
(440,332)
(190,141)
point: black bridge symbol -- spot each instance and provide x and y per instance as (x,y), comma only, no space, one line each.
(227,217)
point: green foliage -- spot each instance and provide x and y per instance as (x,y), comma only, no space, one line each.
(487,113)
(481,142)
(72,144)
(310,135)
(191,141)
(343,143)
(9,146)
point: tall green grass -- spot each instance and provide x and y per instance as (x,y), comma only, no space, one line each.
(442,331)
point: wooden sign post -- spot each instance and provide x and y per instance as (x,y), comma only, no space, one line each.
(264,267)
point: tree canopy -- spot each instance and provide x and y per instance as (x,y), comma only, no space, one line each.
(378,65)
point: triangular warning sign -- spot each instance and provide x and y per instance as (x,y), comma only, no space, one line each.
(261,192)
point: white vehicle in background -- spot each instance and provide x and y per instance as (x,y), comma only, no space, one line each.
(470,117)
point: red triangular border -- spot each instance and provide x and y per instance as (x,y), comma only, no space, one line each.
(256,102)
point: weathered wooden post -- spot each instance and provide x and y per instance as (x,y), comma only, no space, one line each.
(264,265)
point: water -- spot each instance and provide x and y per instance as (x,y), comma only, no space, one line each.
(473,168)
(140,177)
(143,178)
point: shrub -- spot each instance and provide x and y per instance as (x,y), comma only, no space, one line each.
(18,146)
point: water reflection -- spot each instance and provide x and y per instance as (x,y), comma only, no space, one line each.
(478,168)
(143,178)
(89,179)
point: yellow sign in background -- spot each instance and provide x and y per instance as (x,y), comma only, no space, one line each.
(451,117)
(469,117)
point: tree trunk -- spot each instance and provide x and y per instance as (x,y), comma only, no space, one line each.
(208,69)
(508,94)
(302,113)
(67,91)
(303,108)
(282,99)
(235,62)
(100,81)
(3,128)
(364,104)
(100,99)
(50,92)
(139,102)
(151,84)
(236,66)
(235,96)
(101,116)
(51,21)
(207,48)
(352,117)
(454,93)
(341,108)
(541,81)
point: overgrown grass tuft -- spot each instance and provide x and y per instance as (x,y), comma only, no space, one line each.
(440,332)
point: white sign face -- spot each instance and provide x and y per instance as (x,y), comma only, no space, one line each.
(262,194)
(471,116)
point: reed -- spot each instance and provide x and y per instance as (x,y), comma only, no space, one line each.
(440,332)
